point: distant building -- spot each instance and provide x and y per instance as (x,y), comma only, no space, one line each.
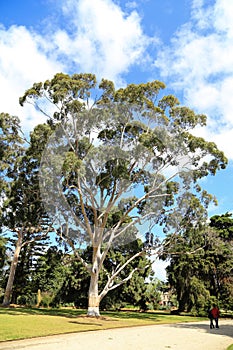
(166,298)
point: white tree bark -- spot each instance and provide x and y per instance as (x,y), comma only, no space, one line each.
(14,263)
(93,296)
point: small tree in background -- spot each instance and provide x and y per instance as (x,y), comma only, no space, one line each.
(206,275)
(22,211)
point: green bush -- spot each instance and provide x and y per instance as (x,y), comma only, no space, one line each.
(27,299)
(151,306)
(108,304)
(22,300)
(46,299)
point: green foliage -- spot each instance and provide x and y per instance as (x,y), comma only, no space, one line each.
(11,149)
(224,225)
(2,252)
(206,275)
(22,212)
(62,280)
(50,272)
(26,299)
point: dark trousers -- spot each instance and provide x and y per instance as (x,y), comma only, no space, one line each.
(216,322)
(212,323)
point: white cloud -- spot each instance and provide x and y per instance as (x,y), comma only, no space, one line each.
(223,17)
(24,60)
(131,4)
(104,39)
(200,63)
(96,36)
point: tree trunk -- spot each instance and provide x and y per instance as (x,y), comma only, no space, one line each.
(183,301)
(93,296)
(10,282)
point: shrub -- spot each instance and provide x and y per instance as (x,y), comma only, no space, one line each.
(26,299)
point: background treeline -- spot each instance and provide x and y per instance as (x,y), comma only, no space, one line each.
(207,275)
(49,275)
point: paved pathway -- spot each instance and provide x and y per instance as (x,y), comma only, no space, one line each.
(183,336)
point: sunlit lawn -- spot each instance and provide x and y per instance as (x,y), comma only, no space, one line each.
(20,323)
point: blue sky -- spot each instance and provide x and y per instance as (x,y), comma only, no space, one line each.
(188,44)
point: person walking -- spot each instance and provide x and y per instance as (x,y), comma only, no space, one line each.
(215,313)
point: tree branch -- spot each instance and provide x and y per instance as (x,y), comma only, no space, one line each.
(77,255)
(116,273)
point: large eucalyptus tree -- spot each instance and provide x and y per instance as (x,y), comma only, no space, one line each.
(118,159)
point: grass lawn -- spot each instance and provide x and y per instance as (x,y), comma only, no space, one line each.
(230,347)
(22,323)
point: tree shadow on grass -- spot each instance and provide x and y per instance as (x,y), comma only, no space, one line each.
(74,313)
(131,315)
(226,328)
(69,313)
(87,323)
(155,317)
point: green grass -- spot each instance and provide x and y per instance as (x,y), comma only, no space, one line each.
(230,347)
(22,323)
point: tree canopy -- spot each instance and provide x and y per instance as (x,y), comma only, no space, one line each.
(206,275)
(116,160)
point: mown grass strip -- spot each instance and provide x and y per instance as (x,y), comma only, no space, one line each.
(230,347)
(22,323)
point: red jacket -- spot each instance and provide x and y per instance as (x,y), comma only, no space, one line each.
(215,312)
